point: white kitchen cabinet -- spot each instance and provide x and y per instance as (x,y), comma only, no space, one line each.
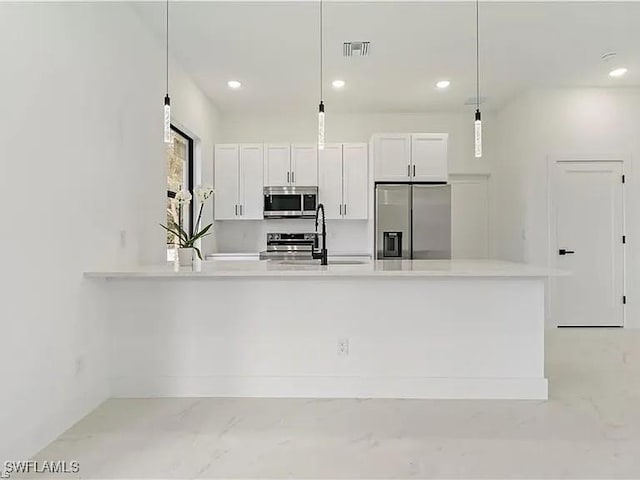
(343,181)
(277,164)
(429,157)
(251,199)
(330,180)
(404,157)
(304,165)
(392,157)
(355,181)
(238,178)
(227,175)
(469,216)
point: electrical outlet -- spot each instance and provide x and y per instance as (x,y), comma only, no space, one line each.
(343,346)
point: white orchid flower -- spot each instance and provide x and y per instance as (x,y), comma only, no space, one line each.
(203,192)
(183,196)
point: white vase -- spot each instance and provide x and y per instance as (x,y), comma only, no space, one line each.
(197,262)
(185,256)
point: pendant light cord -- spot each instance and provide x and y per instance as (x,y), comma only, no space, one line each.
(478,54)
(321,91)
(167,46)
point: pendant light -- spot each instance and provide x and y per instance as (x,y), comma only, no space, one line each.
(321,106)
(167,100)
(478,117)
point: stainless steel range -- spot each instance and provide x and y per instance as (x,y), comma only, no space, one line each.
(293,246)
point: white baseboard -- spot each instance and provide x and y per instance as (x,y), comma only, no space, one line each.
(331,387)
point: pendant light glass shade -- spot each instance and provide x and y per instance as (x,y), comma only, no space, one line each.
(478,134)
(321,106)
(321,126)
(478,118)
(167,119)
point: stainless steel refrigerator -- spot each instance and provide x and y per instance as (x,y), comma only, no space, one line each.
(413,221)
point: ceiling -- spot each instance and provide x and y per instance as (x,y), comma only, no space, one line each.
(273,49)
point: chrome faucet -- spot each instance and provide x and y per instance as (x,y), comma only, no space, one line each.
(322,254)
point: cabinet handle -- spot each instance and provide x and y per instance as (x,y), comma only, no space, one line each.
(288,177)
(408,170)
(293,177)
(241,210)
(340,209)
(236,210)
(414,170)
(345,208)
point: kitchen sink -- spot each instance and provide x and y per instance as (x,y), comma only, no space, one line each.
(317,262)
(348,262)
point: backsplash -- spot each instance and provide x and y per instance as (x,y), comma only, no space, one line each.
(248,236)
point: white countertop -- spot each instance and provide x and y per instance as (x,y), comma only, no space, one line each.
(378,268)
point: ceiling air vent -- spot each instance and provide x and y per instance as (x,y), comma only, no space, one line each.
(355,49)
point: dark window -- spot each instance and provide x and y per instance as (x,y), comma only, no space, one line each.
(179,176)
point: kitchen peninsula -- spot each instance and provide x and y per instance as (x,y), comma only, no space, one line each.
(385,329)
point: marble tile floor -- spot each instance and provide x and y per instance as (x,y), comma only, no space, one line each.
(590,428)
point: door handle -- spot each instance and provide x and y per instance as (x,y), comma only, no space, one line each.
(345,208)
(414,170)
(340,209)
(236,210)
(288,177)
(240,210)
(562,251)
(408,170)
(293,177)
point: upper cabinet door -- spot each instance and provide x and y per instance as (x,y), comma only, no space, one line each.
(251,178)
(304,165)
(330,180)
(227,182)
(429,157)
(355,181)
(392,157)
(277,165)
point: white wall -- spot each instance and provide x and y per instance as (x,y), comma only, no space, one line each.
(84,187)
(345,236)
(578,123)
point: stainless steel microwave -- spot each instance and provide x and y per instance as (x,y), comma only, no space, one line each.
(290,202)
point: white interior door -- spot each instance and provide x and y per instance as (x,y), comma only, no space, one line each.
(304,165)
(227,182)
(251,178)
(277,165)
(330,180)
(355,184)
(589,225)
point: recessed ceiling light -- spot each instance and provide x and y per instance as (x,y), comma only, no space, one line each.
(618,72)
(338,83)
(235,84)
(443,84)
